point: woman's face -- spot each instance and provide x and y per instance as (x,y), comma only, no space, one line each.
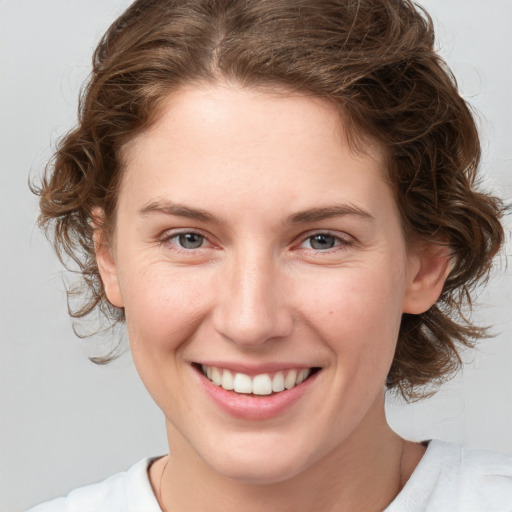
(251,244)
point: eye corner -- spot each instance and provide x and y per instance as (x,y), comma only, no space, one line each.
(186,240)
(325,241)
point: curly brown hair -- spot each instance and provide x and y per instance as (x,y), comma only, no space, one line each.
(373,59)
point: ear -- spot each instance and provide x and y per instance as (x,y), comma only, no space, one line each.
(429,268)
(105,260)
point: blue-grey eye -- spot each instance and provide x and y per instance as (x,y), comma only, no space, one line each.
(190,240)
(322,241)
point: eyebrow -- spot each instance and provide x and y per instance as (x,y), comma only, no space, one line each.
(302,217)
(327,212)
(179,210)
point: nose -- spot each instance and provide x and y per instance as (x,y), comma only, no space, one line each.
(251,306)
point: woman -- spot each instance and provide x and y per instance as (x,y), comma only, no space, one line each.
(279,200)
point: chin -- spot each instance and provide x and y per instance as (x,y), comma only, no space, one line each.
(257,472)
(261,463)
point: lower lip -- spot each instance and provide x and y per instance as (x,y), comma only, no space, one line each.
(255,407)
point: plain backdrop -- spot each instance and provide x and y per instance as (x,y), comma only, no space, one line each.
(66,422)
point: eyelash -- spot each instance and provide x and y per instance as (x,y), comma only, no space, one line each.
(168,240)
(340,243)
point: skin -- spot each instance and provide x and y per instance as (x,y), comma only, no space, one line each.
(258,290)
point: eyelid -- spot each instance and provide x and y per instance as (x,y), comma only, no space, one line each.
(345,240)
(169,234)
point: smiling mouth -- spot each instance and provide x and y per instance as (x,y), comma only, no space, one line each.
(263,384)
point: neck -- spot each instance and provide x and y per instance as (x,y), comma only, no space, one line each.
(364,473)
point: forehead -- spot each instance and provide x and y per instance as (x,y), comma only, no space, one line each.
(238,143)
(232,104)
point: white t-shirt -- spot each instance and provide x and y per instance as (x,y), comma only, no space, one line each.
(447,479)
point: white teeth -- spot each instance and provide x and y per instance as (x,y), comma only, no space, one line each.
(291,378)
(302,376)
(216,376)
(227,380)
(278,382)
(242,383)
(262,384)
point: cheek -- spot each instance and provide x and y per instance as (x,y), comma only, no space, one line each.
(163,307)
(164,311)
(358,313)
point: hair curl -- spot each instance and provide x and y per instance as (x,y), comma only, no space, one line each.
(373,59)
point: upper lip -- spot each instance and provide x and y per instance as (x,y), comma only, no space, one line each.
(255,369)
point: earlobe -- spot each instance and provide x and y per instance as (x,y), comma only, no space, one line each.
(106,261)
(430,266)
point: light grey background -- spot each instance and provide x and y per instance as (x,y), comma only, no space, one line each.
(66,422)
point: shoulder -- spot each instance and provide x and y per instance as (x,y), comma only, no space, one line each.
(123,492)
(486,476)
(470,465)
(452,478)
